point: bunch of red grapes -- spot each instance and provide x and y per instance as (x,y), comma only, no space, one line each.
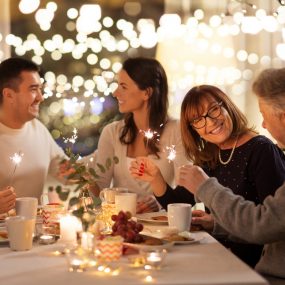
(127,228)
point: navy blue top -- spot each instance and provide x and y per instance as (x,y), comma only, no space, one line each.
(256,170)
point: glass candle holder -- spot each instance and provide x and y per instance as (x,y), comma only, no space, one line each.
(77,260)
(154,259)
(105,214)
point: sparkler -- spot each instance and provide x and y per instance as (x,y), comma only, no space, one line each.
(73,138)
(149,135)
(16,158)
(171,153)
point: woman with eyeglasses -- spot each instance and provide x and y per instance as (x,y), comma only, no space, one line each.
(217,138)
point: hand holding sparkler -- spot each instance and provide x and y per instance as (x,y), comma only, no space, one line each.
(7,199)
(144,169)
(16,159)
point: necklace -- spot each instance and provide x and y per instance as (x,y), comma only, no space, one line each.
(231,154)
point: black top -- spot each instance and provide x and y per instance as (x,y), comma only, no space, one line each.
(256,170)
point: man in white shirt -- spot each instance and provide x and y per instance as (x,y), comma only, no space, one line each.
(20,131)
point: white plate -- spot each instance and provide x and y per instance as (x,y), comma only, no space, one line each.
(149,217)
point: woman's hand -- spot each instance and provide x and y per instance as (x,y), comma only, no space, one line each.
(7,199)
(144,169)
(147,204)
(191,177)
(203,219)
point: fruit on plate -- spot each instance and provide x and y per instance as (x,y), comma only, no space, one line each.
(127,228)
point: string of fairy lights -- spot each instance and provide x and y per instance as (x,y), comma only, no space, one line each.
(79,100)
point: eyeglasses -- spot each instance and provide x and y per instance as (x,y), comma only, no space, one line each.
(213,113)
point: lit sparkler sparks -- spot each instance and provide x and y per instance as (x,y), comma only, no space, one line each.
(73,138)
(149,134)
(16,159)
(171,153)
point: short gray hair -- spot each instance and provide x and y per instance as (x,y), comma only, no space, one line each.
(270,86)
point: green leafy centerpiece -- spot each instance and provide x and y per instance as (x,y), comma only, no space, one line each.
(83,178)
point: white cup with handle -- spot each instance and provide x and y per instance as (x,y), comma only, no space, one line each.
(20,232)
(107,195)
(126,202)
(179,216)
(51,196)
(26,206)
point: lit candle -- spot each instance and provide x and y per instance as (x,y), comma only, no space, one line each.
(154,259)
(47,239)
(77,265)
(69,226)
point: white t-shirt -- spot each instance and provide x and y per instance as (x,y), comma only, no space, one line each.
(41,155)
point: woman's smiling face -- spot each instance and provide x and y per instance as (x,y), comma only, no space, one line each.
(217,130)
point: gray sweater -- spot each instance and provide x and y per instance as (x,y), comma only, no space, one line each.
(262,224)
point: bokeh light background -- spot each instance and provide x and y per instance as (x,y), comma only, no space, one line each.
(80,46)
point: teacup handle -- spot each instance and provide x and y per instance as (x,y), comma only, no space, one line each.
(102,195)
(42,198)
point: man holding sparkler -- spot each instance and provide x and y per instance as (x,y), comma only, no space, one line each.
(28,152)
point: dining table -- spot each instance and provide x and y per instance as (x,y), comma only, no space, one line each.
(203,262)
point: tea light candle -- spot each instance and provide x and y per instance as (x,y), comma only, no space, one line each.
(76,265)
(47,239)
(154,259)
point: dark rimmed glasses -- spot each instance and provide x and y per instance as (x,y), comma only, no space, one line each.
(213,113)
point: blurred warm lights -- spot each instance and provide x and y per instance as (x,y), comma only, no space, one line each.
(93,35)
(28,6)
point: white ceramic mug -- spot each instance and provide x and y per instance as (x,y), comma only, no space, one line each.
(20,232)
(26,206)
(51,197)
(126,202)
(108,194)
(179,216)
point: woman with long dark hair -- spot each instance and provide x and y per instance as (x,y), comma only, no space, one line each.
(142,95)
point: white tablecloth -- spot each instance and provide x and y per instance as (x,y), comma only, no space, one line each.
(206,262)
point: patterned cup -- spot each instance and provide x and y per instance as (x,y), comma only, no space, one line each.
(50,214)
(110,248)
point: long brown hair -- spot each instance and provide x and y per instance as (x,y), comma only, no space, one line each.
(200,151)
(147,73)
